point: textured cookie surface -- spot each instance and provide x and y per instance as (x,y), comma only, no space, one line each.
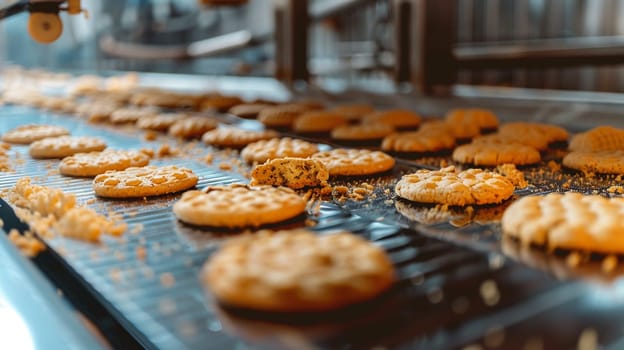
(192,127)
(291,172)
(282,116)
(425,140)
(491,154)
(346,162)
(236,138)
(602,138)
(537,135)
(131,114)
(263,150)
(469,122)
(159,122)
(569,221)
(95,163)
(238,206)
(369,131)
(398,118)
(603,162)
(248,110)
(318,121)
(298,271)
(27,134)
(449,186)
(143,181)
(63,146)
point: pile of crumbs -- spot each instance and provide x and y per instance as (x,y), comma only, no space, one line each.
(28,244)
(358,193)
(5,164)
(49,210)
(513,174)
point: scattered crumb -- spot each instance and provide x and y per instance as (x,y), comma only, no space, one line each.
(141,253)
(512,174)
(554,166)
(225,166)
(167,280)
(150,135)
(28,244)
(609,263)
(208,158)
(616,189)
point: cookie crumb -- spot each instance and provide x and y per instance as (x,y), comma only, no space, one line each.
(29,245)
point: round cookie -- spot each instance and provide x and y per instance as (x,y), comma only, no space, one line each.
(160,122)
(421,141)
(569,221)
(192,127)
(248,110)
(27,134)
(470,122)
(236,138)
(362,132)
(602,138)
(145,181)
(539,134)
(354,162)
(263,150)
(238,205)
(398,118)
(448,186)
(318,121)
(131,114)
(602,162)
(492,154)
(95,163)
(298,271)
(282,116)
(63,146)
(220,103)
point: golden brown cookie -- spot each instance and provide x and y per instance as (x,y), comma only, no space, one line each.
(298,271)
(318,121)
(294,173)
(426,140)
(602,138)
(145,181)
(568,221)
(160,122)
(470,122)
(220,103)
(63,146)
(537,135)
(602,162)
(354,162)
(452,187)
(131,114)
(238,205)
(95,163)
(97,112)
(282,116)
(492,154)
(236,138)
(192,127)
(27,134)
(263,150)
(398,118)
(362,132)
(248,110)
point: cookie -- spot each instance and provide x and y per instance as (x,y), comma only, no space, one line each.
(263,150)
(398,118)
(421,141)
(192,127)
(568,221)
(95,163)
(602,162)
(282,116)
(492,154)
(318,121)
(248,110)
(290,172)
(131,114)
(235,206)
(470,122)
(63,146)
(354,162)
(160,122)
(602,138)
(362,132)
(236,138)
(144,181)
(298,271)
(354,111)
(27,134)
(96,112)
(537,135)
(451,187)
(220,103)
(165,99)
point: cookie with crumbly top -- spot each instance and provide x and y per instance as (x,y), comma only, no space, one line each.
(144,181)
(27,134)
(452,187)
(602,138)
(298,271)
(263,150)
(282,116)
(192,127)
(362,132)
(422,141)
(291,172)
(492,154)
(354,111)
(160,122)
(236,138)
(568,221)
(354,162)
(398,118)
(248,110)
(602,162)
(63,146)
(94,163)
(238,205)
(318,121)
(470,122)
(537,135)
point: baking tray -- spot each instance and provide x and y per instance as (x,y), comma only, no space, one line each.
(456,285)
